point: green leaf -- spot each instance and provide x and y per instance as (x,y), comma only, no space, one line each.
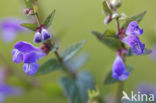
(77,62)
(105,8)
(76,90)
(145,52)
(30,26)
(137,18)
(48,21)
(110,80)
(109,38)
(35,8)
(49,66)
(28,3)
(72,50)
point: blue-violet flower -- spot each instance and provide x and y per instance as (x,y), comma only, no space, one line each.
(119,71)
(29,54)
(132,39)
(41,35)
(10,27)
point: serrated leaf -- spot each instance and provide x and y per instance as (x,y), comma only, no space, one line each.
(48,21)
(137,18)
(49,66)
(145,52)
(28,3)
(76,90)
(77,62)
(30,26)
(109,38)
(105,8)
(110,80)
(72,50)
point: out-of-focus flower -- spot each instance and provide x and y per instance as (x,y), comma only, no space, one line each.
(146,88)
(153,54)
(6,90)
(119,69)
(135,44)
(41,35)
(29,54)
(132,39)
(10,27)
(133,29)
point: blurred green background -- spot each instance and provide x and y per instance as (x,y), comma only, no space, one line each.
(73,22)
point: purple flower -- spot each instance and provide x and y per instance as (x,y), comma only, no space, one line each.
(153,55)
(133,29)
(132,39)
(29,54)
(119,70)
(135,44)
(10,27)
(146,88)
(6,90)
(41,35)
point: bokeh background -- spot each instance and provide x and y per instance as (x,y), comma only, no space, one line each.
(73,22)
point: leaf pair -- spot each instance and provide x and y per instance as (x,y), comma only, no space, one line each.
(76,90)
(47,23)
(52,64)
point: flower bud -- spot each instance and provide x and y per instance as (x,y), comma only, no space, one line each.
(28,11)
(115,15)
(45,34)
(116,3)
(37,37)
(108,19)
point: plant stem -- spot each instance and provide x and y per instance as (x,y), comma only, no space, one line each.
(121,83)
(38,19)
(119,92)
(117,25)
(67,69)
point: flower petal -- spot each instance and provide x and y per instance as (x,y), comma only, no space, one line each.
(133,29)
(135,44)
(9,90)
(119,70)
(30,68)
(10,28)
(17,56)
(33,57)
(12,23)
(38,37)
(8,35)
(25,47)
(45,34)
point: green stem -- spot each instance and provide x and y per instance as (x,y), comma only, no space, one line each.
(67,69)
(117,25)
(120,84)
(38,19)
(119,92)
